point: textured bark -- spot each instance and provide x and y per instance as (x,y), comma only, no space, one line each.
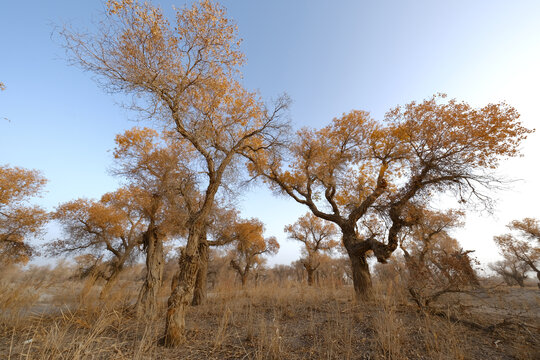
(148,296)
(199,294)
(310,273)
(182,288)
(361,277)
(359,266)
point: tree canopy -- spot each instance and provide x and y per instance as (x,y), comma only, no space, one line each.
(186,75)
(19,221)
(249,246)
(318,238)
(357,168)
(521,247)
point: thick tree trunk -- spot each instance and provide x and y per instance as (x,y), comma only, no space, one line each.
(359,266)
(182,288)
(361,277)
(199,294)
(148,296)
(184,282)
(310,273)
(243,279)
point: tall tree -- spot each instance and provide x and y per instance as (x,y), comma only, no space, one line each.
(317,235)
(356,168)
(183,74)
(111,227)
(523,244)
(19,221)
(249,247)
(153,165)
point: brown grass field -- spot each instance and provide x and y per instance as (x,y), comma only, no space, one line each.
(46,314)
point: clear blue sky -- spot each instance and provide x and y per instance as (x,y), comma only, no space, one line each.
(329,56)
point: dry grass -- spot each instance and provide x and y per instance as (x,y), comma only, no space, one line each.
(44,316)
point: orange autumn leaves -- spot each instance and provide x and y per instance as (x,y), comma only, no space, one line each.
(184,72)
(112,225)
(249,247)
(451,129)
(202,28)
(150,167)
(318,237)
(338,166)
(356,170)
(250,241)
(434,262)
(19,221)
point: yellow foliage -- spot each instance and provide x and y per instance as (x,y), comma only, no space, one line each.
(18,220)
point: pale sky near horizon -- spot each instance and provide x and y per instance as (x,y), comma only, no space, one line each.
(329,56)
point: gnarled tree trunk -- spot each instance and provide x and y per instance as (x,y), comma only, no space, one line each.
(188,266)
(243,279)
(359,267)
(361,276)
(199,294)
(310,270)
(310,273)
(148,295)
(182,288)
(242,272)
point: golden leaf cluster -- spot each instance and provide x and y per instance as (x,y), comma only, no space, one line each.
(19,221)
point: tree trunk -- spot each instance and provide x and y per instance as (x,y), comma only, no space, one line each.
(310,272)
(188,264)
(359,266)
(243,278)
(361,277)
(183,287)
(199,294)
(148,296)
